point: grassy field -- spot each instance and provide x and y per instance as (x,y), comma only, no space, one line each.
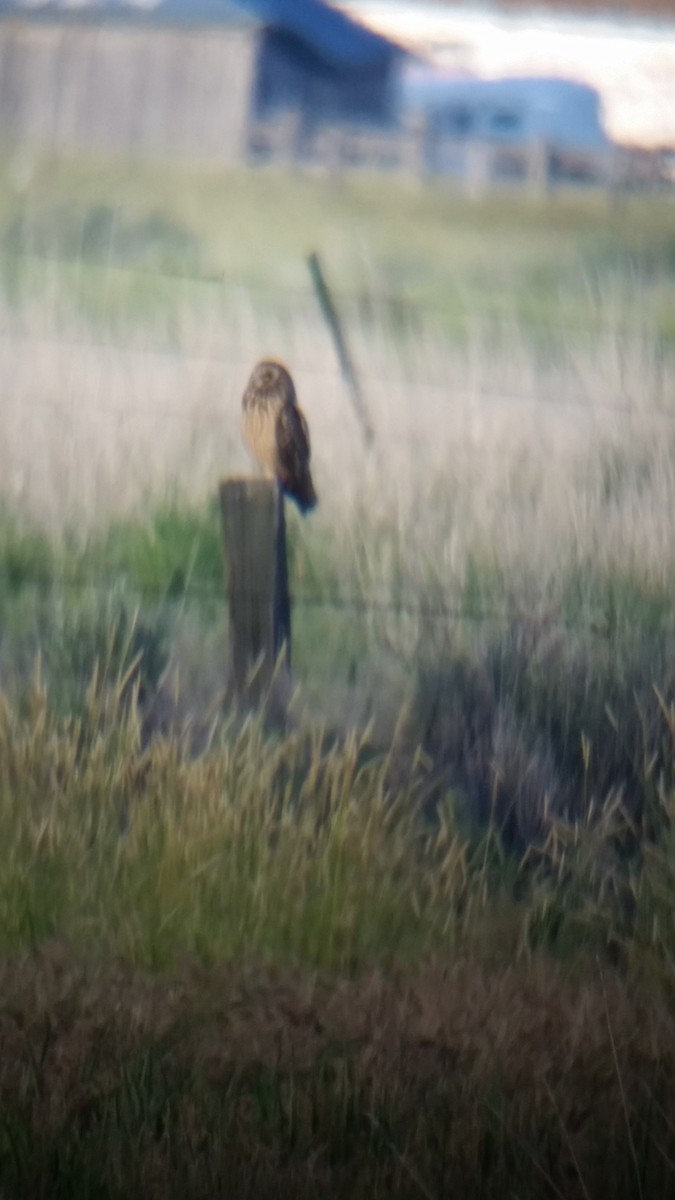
(419,939)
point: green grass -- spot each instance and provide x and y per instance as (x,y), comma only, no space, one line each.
(419,247)
(177,553)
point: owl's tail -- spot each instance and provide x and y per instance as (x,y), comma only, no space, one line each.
(302,491)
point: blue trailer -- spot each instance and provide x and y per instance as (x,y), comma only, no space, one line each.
(516,114)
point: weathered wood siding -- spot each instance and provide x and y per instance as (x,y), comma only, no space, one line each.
(125,91)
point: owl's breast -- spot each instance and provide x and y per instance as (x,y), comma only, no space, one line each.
(259,430)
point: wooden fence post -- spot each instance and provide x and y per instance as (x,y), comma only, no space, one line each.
(414,146)
(539,169)
(287,136)
(346,365)
(477,168)
(254,538)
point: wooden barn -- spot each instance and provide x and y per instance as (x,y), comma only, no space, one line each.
(313,60)
(209,79)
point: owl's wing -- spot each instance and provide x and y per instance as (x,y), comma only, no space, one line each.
(305,430)
(292,441)
(293,454)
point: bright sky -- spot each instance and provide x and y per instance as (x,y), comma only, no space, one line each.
(631,62)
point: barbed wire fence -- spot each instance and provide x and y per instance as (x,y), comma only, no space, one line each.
(186,587)
(361,307)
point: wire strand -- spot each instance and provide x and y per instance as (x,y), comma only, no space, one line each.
(596,623)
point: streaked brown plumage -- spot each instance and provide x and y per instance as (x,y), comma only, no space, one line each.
(276,432)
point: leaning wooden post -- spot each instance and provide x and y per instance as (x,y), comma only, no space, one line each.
(254,537)
(335,326)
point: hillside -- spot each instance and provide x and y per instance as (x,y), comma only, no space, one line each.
(218,9)
(664,8)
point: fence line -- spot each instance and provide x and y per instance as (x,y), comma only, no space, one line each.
(357,300)
(193,354)
(597,624)
(465,396)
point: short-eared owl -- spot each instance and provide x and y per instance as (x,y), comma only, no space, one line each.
(276,433)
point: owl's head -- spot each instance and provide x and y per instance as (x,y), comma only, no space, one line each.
(271,378)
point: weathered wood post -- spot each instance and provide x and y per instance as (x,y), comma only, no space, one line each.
(291,133)
(415,143)
(477,168)
(335,326)
(254,537)
(332,151)
(539,169)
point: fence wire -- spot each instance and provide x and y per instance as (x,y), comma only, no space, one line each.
(368,299)
(399,307)
(599,623)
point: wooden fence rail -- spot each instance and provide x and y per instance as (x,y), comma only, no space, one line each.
(474,165)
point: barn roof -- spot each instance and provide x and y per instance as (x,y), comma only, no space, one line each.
(330,33)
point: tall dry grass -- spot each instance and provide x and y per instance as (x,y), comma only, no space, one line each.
(311,847)
(500,565)
(343,996)
(456,861)
(493,448)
